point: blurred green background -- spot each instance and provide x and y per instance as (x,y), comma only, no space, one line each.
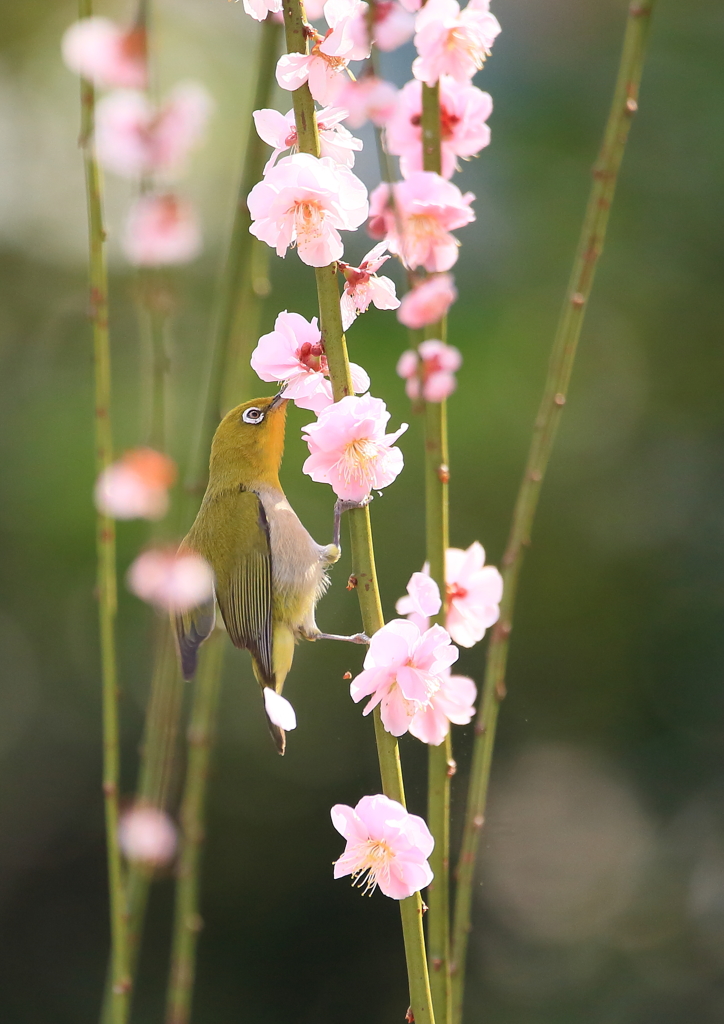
(601,887)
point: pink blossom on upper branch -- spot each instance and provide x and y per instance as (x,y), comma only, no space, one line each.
(106,54)
(453,42)
(386,847)
(173,581)
(329,56)
(402,670)
(161,229)
(362,286)
(293,352)
(464,110)
(146,835)
(367,99)
(280,132)
(308,201)
(453,702)
(133,138)
(136,487)
(427,207)
(474,592)
(427,302)
(439,363)
(349,449)
(258,9)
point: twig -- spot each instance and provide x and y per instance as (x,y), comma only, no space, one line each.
(363,559)
(437,531)
(106,544)
(187,921)
(590,245)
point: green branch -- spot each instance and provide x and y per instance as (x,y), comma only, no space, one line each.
(437,533)
(187,920)
(593,233)
(363,559)
(106,545)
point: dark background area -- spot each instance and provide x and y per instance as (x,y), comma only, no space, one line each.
(601,889)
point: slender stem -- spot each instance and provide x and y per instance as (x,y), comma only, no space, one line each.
(187,921)
(360,528)
(440,762)
(563,353)
(106,545)
(224,349)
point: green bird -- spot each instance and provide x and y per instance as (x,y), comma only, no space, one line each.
(269,572)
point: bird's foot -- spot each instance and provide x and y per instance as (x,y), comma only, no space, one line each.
(356,638)
(341,506)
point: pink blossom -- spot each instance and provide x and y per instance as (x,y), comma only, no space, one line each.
(173,581)
(411,5)
(362,286)
(258,9)
(453,702)
(106,54)
(280,132)
(349,449)
(161,229)
(146,835)
(423,595)
(474,592)
(439,363)
(386,847)
(136,487)
(330,55)
(392,25)
(293,352)
(134,139)
(427,303)
(308,201)
(464,109)
(279,711)
(453,42)
(367,99)
(427,207)
(402,671)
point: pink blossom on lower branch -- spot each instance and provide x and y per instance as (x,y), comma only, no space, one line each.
(464,110)
(161,229)
(280,132)
(146,835)
(474,592)
(362,286)
(439,363)
(349,449)
(136,486)
(307,201)
(418,223)
(427,302)
(367,99)
(402,671)
(453,42)
(106,54)
(453,702)
(293,352)
(386,847)
(174,581)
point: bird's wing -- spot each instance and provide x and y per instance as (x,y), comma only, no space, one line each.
(235,540)
(192,628)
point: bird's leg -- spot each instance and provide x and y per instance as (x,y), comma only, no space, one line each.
(341,506)
(356,638)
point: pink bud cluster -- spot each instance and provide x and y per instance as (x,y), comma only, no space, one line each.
(136,139)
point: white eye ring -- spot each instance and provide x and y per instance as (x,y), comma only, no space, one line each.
(253,416)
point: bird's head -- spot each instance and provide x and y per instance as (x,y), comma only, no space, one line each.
(248,443)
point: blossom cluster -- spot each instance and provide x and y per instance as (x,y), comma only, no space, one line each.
(137,139)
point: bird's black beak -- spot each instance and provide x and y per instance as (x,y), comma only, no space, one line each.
(278,399)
